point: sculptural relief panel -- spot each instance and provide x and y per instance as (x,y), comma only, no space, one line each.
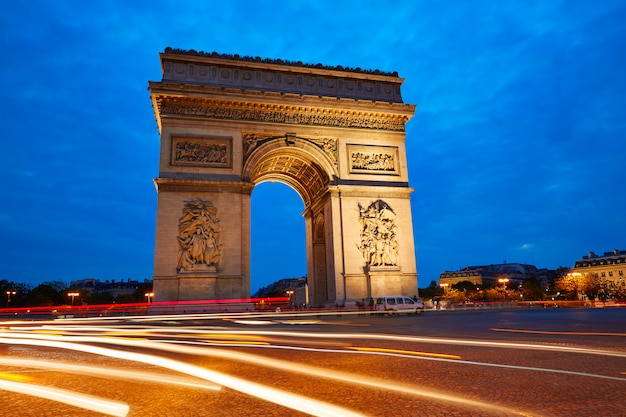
(379,244)
(198,237)
(201,151)
(366,159)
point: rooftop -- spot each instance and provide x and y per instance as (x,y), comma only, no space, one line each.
(236,57)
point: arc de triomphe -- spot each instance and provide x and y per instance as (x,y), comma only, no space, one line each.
(335,135)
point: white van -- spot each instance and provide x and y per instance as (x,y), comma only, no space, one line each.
(397,304)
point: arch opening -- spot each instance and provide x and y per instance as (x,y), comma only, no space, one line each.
(281,242)
(278,236)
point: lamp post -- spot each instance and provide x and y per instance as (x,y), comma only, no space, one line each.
(444,286)
(289,293)
(503,281)
(9,294)
(73,294)
(149,296)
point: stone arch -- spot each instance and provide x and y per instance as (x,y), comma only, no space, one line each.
(229,123)
(297,164)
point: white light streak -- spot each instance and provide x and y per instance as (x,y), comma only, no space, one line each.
(84,401)
(279,397)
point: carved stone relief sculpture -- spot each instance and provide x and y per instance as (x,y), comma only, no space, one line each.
(253,140)
(209,152)
(240,111)
(373,159)
(198,237)
(379,245)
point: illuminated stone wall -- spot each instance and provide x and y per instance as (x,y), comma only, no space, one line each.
(335,135)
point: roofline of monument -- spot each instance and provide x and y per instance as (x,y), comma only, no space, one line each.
(278,64)
(211,92)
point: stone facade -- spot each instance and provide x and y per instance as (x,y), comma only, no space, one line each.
(334,135)
(610,267)
(515,273)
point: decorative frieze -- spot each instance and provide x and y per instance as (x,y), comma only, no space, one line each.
(246,111)
(366,159)
(202,151)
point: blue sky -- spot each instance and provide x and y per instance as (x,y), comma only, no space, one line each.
(516,152)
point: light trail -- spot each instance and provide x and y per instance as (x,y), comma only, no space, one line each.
(435,340)
(131,333)
(108,372)
(406,352)
(300,368)
(362,336)
(84,401)
(296,402)
(559,333)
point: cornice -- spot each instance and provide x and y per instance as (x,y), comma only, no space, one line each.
(367,191)
(196,185)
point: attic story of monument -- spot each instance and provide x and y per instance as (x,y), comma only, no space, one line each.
(334,135)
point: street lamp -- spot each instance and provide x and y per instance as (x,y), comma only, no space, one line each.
(289,293)
(444,286)
(149,296)
(9,294)
(504,281)
(73,294)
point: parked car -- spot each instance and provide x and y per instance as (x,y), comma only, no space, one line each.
(398,304)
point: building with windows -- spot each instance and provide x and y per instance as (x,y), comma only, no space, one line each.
(493,274)
(115,287)
(610,267)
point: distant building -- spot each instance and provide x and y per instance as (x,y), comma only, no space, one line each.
(610,266)
(491,274)
(95,286)
(281,287)
(295,288)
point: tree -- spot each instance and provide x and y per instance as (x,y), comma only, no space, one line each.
(140,293)
(49,293)
(433,290)
(591,285)
(18,292)
(465,286)
(105,297)
(531,289)
(555,277)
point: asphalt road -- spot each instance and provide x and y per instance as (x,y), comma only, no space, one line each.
(536,362)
